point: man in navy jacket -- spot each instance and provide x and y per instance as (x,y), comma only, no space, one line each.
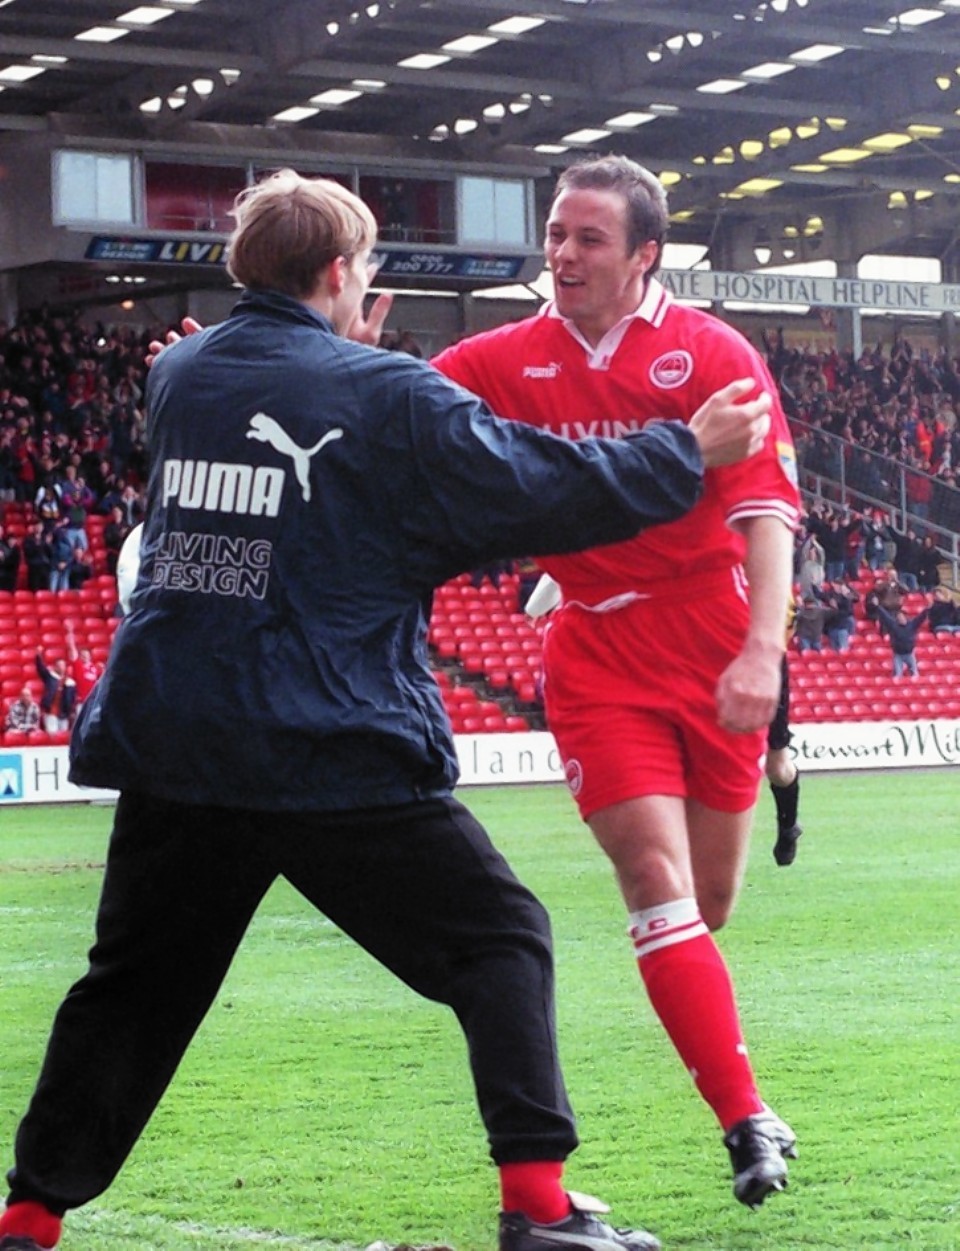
(268,708)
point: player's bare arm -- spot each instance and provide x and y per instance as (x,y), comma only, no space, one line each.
(729,428)
(749,687)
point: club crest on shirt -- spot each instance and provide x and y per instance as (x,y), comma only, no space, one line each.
(671,370)
(573,771)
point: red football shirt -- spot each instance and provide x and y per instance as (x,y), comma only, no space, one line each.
(663,362)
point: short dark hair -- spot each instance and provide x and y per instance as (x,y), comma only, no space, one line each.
(648,217)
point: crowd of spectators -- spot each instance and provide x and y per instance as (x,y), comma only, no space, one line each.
(838,550)
(889,415)
(71,443)
(837,543)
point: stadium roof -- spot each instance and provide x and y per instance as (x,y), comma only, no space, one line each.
(806,127)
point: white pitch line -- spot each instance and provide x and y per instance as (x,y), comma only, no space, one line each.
(115,1224)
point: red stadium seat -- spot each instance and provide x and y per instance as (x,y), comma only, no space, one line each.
(467,695)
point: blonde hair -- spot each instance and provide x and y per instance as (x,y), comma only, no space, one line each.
(290,228)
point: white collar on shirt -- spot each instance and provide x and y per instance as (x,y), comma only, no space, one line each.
(652,309)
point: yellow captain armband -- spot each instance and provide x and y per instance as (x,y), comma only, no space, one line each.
(791,624)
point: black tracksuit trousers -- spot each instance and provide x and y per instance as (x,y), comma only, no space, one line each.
(420,887)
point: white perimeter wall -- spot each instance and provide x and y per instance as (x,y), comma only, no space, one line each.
(39,774)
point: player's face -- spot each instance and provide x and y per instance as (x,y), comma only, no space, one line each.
(596,282)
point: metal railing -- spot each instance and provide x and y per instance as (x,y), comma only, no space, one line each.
(842,474)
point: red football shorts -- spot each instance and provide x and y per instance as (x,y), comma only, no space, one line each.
(630,699)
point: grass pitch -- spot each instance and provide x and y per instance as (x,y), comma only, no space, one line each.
(324,1105)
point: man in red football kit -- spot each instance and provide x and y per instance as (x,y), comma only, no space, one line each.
(662,664)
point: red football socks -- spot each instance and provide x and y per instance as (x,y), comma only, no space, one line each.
(692,994)
(534,1188)
(31,1220)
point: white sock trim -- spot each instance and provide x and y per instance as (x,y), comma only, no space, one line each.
(676,921)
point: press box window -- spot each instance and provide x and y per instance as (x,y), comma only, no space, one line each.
(93,187)
(493,210)
(191,197)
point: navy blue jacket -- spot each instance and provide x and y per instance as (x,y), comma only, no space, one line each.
(306,496)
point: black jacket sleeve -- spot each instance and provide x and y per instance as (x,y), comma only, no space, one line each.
(485,488)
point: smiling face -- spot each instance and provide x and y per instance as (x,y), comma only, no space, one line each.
(596,280)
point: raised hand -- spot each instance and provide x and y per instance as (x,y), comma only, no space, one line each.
(189,325)
(368,329)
